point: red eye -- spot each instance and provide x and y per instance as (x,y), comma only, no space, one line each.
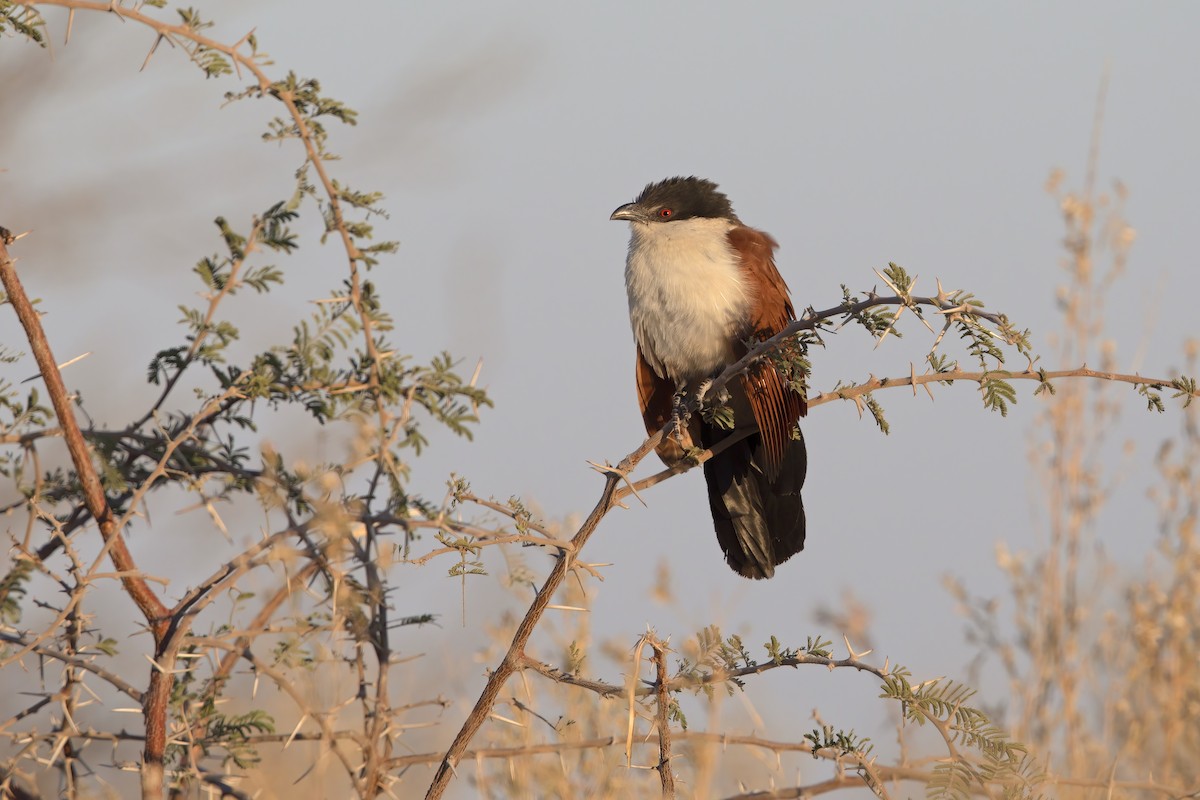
(666,213)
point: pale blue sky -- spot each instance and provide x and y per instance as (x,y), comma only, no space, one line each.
(504,135)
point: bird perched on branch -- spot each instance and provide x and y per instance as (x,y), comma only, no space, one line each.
(701,285)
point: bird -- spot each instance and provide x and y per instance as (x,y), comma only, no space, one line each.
(702,286)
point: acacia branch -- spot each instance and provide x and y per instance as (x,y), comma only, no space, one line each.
(76,661)
(481,538)
(813,320)
(205,328)
(328,734)
(513,658)
(612,690)
(156,614)
(885,773)
(982,377)
(139,591)
(606,690)
(662,703)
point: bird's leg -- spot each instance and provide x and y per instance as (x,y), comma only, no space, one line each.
(679,413)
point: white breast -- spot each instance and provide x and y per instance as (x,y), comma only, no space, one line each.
(688,301)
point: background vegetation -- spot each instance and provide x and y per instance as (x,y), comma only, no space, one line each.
(279,665)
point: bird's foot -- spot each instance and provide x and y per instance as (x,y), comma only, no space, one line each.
(702,395)
(679,414)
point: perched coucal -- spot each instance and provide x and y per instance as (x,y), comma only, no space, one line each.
(701,284)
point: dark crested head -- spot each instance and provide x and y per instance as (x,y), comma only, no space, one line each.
(676,199)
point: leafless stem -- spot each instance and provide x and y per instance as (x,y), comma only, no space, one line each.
(76,661)
(513,658)
(663,708)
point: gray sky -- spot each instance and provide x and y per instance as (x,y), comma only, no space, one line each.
(503,136)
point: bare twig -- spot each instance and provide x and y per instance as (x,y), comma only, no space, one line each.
(662,703)
(513,658)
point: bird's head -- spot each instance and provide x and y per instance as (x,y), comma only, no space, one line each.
(676,199)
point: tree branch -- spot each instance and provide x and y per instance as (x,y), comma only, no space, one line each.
(662,703)
(1042,376)
(153,610)
(513,658)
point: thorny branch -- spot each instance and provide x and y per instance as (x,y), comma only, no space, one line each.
(873,384)
(516,651)
(143,596)
(662,706)
(153,610)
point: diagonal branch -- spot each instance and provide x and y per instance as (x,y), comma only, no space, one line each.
(139,591)
(514,658)
(153,610)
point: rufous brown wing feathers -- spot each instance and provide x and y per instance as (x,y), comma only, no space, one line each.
(776,407)
(754,486)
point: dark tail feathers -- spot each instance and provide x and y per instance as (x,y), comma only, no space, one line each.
(759,523)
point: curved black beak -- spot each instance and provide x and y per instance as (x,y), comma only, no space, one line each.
(630,212)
